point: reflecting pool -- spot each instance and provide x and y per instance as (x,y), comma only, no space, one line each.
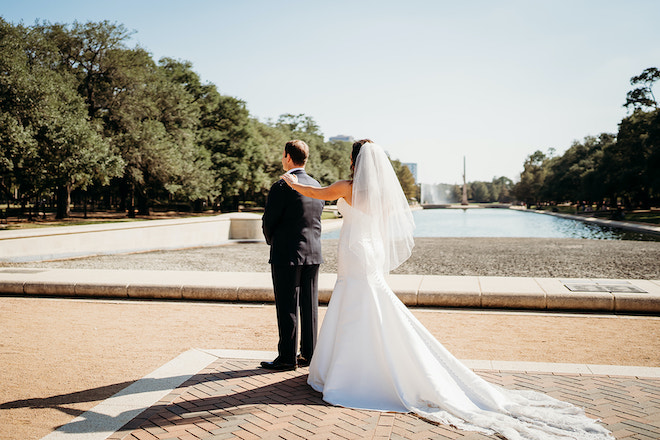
(494,222)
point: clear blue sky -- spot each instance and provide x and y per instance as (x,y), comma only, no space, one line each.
(430,80)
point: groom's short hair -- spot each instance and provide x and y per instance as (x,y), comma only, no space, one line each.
(298,151)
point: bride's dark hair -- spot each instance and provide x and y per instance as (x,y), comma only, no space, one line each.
(357,145)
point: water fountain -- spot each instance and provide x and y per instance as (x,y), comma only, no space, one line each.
(442,195)
(435,196)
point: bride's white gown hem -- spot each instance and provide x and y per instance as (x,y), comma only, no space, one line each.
(372,353)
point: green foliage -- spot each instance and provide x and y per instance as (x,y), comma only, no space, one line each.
(335,162)
(575,176)
(532,178)
(643,217)
(604,169)
(49,143)
(480,192)
(81,111)
(642,96)
(630,166)
(501,190)
(328,161)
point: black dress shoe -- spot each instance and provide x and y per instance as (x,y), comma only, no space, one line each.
(303,362)
(278,366)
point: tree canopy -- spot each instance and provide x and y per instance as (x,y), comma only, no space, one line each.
(82,112)
(608,169)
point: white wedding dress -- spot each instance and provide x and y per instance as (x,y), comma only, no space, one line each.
(372,353)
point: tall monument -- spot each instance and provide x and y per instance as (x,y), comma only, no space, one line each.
(464,201)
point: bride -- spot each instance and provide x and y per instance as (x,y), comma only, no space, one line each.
(372,353)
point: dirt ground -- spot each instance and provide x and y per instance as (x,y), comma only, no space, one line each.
(61,357)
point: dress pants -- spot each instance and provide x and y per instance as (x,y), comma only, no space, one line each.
(296,287)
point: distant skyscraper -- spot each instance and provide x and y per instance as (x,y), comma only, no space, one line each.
(413,169)
(342,138)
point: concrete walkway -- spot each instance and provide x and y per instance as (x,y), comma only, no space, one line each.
(222,394)
(594,295)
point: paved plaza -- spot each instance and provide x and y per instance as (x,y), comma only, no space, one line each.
(229,397)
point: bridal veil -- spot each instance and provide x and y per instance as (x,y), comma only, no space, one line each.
(383,225)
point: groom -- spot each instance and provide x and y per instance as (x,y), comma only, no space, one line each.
(292,227)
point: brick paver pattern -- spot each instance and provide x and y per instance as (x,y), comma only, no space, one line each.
(234,399)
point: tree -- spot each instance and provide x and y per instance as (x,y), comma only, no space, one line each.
(140,109)
(237,160)
(636,156)
(299,123)
(592,180)
(642,96)
(81,111)
(528,189)
(153,122)
(500,189)
(630,166)
(569,177)
(233,140)
(480,192)
(304,127)
(335,162)
(86,50)
(46,121)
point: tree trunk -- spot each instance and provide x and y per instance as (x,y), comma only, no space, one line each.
(198,205)
(645,199)
(613,201)
(63,201)
(131,202)
(85,203)
(143,204)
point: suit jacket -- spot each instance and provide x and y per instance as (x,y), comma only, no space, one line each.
(292,224)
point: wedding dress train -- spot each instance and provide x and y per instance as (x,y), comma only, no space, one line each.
(372,353)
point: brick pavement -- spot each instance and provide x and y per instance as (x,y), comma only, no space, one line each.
(234,399)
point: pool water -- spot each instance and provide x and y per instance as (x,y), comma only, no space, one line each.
(494,222)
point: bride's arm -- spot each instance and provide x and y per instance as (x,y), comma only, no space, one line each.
(339,189)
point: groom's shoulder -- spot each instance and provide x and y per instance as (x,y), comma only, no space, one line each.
(305,178)
(280,184)
(278,188)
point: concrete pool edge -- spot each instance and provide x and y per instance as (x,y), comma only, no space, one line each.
(479,292)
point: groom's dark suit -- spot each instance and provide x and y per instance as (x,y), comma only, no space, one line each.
(292,226)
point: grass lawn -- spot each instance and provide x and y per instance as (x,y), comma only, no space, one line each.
(99,218)
(643,216)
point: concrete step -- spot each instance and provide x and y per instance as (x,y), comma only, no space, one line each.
(595,295)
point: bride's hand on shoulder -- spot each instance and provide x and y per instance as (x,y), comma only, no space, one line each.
(290,179)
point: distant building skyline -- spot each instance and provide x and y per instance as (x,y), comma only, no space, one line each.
(342,138)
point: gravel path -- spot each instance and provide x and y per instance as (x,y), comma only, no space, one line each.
(526,257)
